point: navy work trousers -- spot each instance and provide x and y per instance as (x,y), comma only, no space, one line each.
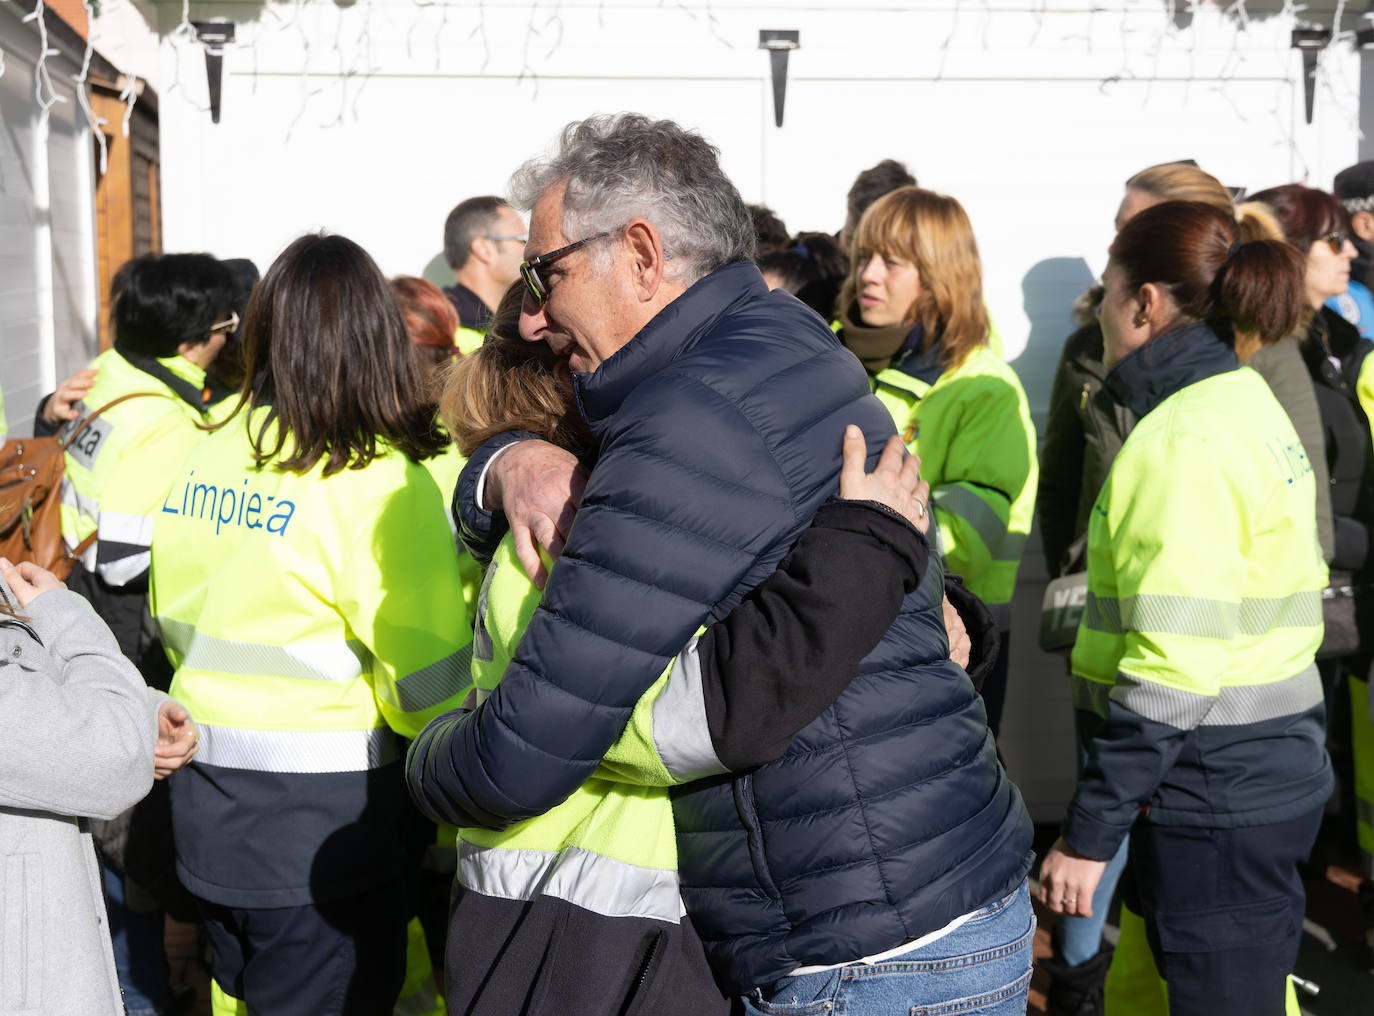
(1223,911)
(344,957)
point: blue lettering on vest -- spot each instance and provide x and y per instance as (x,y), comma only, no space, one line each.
(230,508)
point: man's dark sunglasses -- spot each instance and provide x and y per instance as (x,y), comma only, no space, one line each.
(529,268)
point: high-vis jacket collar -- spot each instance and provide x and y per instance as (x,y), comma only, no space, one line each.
(189,382)
(1149,375)
(924,364)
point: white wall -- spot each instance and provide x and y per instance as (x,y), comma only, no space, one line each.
(374,119)
(47,228)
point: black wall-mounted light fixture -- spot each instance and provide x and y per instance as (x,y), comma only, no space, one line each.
(1310,42)
(779,44)
(1364,34)
(213,35)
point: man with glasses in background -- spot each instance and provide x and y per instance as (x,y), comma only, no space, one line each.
(484,240)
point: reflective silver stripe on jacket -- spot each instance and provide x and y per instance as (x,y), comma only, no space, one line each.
(1184,710)
(681,734)
(87,507)
(135,530)
(130,531)
(73,498)
(427,687)
(122,571)
(1200,617)
(318,661)
(992,530)
(297,751)
(582,877)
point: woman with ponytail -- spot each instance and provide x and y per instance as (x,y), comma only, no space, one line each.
(1084,432)
(1194,658)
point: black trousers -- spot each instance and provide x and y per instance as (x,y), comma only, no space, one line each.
(1223,911)
(344,957)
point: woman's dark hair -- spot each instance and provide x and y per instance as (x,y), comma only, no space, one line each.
(1305,214)
(326,352)
(769,231)
(1193,251)
(227,368)
(164,300)
(871,184)
(811,267)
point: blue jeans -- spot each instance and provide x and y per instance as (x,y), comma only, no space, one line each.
(139,955)
(1078,939)
(983,967)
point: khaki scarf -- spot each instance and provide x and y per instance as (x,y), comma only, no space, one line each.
(875,347)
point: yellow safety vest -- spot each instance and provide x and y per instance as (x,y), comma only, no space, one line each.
(310,620)
(469,340)
(120,466)
(973,432)
(611,846)
(1207,583)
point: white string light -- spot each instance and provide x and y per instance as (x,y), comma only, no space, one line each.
(42,79)
(83,98)
(129,96)
(355,65)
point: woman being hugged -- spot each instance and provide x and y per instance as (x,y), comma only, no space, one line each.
(306,585)
(1196,648)
(912,311)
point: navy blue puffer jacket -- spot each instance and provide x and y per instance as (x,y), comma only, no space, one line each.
(719,428)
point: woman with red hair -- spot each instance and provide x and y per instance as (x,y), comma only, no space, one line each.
(430,319)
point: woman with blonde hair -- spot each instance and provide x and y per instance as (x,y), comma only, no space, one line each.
(912,311)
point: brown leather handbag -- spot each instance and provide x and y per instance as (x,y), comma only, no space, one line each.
(31,470)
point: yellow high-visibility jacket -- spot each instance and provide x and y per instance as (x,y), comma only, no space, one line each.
(971,426)
(1204,607)
(119,467)
(313,622)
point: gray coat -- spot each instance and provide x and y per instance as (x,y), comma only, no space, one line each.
(77,732)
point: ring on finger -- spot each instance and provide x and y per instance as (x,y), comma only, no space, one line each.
(920,508)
